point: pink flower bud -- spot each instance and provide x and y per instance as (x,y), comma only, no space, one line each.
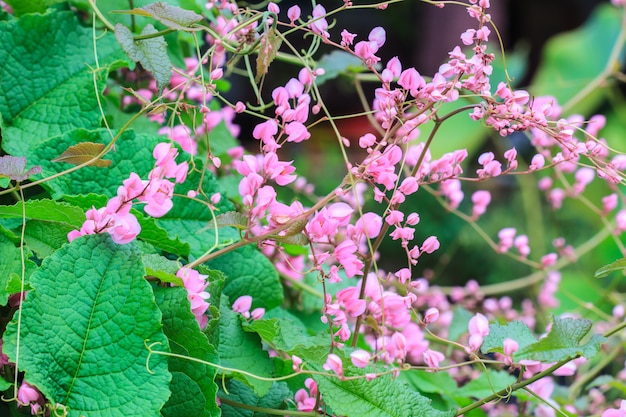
(334,363)
(510,346)
(479,325)
(257,313)
(293,13)
(360,358)
(431,315)
(430,245)
(433,358)
(242,305)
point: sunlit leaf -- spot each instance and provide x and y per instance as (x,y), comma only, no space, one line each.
(171,16)
(83,152)
(618,265)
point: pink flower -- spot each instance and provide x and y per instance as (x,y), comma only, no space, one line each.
(510,347)
(257,313)
(377,35)
(347,38)
(319,25)
(367,140)
(29,395)
(431,315)
(614,412)
(479,325)
(360,358)
(345,254)
(334,363)
(195,284)
(124,228)
(296,132)
(265,131)
(481,200)
(430,245)
(293,13)
(369,224)
(433,358)
(242,305)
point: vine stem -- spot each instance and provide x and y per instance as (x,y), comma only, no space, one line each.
(506,392)
(267,235)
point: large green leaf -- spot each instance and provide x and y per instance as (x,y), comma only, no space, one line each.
(45,210)
(55,54)
(249,272)
(487,383)
(193,388)
(381,397)
(287,334)
(562,342)
(21,7)
(83,332)
(242,350)
(11,269)
(239,392)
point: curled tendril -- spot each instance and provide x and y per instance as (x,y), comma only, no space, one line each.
(150,353)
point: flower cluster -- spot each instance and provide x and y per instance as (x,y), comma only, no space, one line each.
(156,192)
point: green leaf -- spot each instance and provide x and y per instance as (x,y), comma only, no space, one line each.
(162,268)
(5,385)
(21,7)
(619,265)
(460,320)
(151,52)
(337,63)
(430,382)
(286,333)
(193,388)
(11,269)
(249,272)
(45,237)
(564,71)
(563,342)
(98,312)
(216,285)
(486,384)
(45,210)
(191,221)
(275,399)
(55,54)
(381,397)
(154,234)
(516,330)
(242,350)
(171,16)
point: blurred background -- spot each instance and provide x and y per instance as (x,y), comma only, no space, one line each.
(554,47)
